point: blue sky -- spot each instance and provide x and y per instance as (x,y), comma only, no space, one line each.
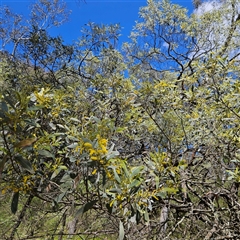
(124,12)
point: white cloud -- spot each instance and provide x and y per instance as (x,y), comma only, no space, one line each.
(165,44)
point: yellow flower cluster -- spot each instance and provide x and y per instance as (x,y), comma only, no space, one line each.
(43,98)
(26,184)
(161,84)
(97,153)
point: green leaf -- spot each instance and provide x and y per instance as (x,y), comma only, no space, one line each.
(121,231)
(86,207)
(116,176)
(126,172)
(138,217)
(73,145)
(134,190)
(3,107)
(62,167)
(157,181)
(135,183)
(95,119)
(9,101)
(60,196)
(136,171)
(75,120)
(56,172)
(46,153)
(207,165)
(112,154)
(146,215)
(14,204)
(24,163)
(35,108)
(115,190)
(72,159)
(170,190)
(25,143)
(63,127)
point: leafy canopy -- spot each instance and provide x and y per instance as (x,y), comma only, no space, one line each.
(140,142)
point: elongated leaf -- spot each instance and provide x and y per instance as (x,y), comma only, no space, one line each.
(46,153)
(75,120)
(8,99)
(157,181)
(146,215)
(116,176)
(135,183)
(85,208)
(3,107)
(121,231)
(59,197)
(134,189)
(138,217)
(136,171)
(25,143)
(115,190)
(14,204)
(35,108)
(112,154)
(24,163)
(55,173)
(73,145)
(125,169)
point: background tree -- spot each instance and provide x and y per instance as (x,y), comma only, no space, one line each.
(196,3)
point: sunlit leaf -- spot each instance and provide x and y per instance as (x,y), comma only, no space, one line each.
(25,143)
(121,231)
(135,183)
(46,153)
(136,171)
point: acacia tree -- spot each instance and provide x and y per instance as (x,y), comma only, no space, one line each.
(138,143)
(191,73)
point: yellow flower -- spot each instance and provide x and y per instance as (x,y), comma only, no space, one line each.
(102,142)
(87,145)
(103,151)
(94,171)
(92,152)
(112,202)
(109,175)
(25,179)
(42,97)
(120,197)
(118,171)
(162,84)
(3,191)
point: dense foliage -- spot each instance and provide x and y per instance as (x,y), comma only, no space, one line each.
(142,142)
